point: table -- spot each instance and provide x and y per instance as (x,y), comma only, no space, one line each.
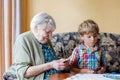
(59,76)
(68,76)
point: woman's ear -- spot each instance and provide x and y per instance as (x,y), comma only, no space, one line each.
(37,32)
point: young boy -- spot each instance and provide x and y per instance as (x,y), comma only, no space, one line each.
(87,57)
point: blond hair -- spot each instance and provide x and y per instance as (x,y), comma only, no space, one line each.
(88,26)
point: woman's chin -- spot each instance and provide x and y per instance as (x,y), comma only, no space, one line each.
(45,41)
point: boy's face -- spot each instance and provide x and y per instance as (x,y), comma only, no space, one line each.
(89,39)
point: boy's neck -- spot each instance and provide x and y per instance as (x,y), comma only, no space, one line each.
(91,48)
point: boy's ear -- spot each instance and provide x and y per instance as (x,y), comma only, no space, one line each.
(81,37)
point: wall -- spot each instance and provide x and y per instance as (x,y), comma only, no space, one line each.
(68,14)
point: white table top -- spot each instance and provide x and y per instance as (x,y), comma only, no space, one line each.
(94,77)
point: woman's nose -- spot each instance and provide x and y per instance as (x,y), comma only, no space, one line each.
(49,35)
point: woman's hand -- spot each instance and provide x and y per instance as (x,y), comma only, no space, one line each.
(60,64)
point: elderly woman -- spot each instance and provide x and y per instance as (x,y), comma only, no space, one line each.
(33,58)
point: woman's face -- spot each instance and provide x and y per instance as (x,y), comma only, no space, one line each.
(44,34)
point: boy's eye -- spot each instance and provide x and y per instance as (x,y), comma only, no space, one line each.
(92,36)
(89,36)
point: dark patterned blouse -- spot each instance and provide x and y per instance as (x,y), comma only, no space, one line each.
(48,56)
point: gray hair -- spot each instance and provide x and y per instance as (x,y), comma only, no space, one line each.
(41,20)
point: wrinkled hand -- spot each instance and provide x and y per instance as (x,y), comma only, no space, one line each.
(59,64)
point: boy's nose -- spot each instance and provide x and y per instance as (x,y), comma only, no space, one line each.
(92,38)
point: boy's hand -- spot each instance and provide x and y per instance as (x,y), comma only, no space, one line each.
(90,71)
(98,70)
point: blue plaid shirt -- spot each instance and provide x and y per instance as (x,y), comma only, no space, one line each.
(82,57)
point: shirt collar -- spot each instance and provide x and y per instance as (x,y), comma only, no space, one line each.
(41,43)
(83,47)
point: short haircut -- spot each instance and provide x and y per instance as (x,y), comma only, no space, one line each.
(88,26)
(41,20)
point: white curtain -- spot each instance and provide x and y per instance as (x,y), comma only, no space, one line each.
(9,5)
(6,32)
(15,19)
